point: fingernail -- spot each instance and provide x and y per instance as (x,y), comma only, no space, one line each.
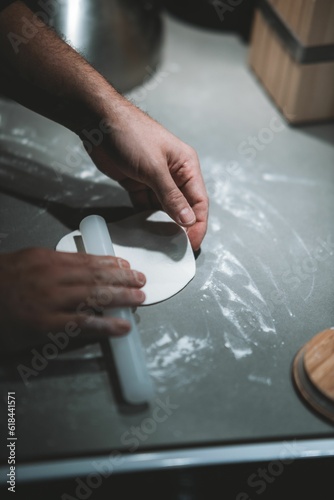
(187,216)
(123,264)
(123,327)
(139,277)
(139,295)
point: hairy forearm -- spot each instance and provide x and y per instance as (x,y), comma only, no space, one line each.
(45,74)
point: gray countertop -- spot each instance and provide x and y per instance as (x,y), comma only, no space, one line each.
(220,351)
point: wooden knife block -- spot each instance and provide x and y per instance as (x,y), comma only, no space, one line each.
(302,89)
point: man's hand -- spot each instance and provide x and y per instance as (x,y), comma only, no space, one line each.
(41,291)
(155,167)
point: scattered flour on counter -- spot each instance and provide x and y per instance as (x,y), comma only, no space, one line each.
(171,354)
(260,380)
(270,275)
(284,178)
(238,352)
(246,316)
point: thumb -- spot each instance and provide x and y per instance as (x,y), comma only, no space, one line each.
(173,201)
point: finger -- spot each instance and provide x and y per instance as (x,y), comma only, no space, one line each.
(104,276)
(197,232)
(85,299)
(172,200)
(74,326)
(108,326)
(83,259)
(166,193)
(191,183)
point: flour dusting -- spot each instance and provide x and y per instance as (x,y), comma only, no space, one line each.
(171,355)
(260,379)
(240,280)
(244,312)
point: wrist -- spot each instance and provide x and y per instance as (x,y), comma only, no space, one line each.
(107,113)
(95,107)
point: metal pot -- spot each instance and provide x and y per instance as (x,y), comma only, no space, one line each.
(120,38)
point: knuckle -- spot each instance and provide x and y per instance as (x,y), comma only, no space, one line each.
(206,200)
(172,196)
(98,275)
(104,296)
(126,277)
(192,153)
(122,263)
(85,259)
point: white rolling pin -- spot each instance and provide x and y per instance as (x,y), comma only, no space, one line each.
(135,381)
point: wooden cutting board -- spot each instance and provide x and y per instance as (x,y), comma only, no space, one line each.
(313,373)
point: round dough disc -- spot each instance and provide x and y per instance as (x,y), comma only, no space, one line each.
(153,244)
